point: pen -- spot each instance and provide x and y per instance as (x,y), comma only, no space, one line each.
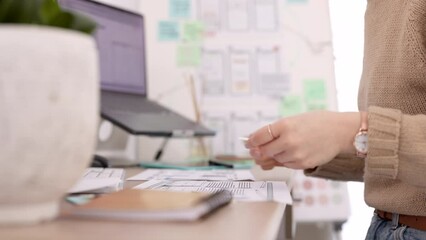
(160,151)
(226,165)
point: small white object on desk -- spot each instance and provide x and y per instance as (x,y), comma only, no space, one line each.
(99,180)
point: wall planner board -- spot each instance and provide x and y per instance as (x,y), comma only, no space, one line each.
(252,62)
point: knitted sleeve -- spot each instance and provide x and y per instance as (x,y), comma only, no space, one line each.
(397,146)
(396,150)
(341,168)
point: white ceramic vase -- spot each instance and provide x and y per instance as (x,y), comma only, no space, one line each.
(49,99)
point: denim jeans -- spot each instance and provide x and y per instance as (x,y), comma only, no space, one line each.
(381,229)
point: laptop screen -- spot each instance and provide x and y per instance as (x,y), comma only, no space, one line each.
(120,39)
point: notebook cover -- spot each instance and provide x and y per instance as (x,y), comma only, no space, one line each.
(137,204)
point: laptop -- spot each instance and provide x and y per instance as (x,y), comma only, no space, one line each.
(121,43)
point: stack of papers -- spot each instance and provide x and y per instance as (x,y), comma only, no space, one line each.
(239,182)
(212,175)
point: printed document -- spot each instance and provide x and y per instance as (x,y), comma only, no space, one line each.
(241,191)
(202,175)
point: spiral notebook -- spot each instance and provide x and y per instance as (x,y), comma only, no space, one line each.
(154,205)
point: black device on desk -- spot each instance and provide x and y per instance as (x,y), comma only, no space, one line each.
(120,38)
(99,162)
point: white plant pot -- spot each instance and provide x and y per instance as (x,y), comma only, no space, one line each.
(49,99)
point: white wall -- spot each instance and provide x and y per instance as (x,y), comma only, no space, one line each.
(347,20)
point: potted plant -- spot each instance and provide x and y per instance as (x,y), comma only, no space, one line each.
(48,106)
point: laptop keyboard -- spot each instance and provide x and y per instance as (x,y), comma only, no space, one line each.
(135,106)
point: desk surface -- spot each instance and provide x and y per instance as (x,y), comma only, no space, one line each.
(238,220)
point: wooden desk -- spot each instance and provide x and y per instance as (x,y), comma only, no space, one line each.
(238,220)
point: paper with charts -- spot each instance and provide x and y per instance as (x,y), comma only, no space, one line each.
(241,190)
(206,175)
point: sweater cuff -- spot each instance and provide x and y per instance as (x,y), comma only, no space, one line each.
(383,141)
(344,168)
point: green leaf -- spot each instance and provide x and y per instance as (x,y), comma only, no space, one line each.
(62,20)
(28,13)
(5,6)
(83,23)
(43,12)
(11,11)
(48,10)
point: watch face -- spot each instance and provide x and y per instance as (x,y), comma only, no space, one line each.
(360,143)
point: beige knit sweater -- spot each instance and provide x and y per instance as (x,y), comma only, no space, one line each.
(393,90)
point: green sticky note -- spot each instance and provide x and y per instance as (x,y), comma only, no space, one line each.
(316,106)
(291,105)
(314,90)
(193,31)
(180,8)
(168,31)
(188,55)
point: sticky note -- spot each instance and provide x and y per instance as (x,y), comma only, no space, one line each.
(314,90)
(188,55)
(180,8)
(168,31)
(316,106)
(193,31)
(291,105)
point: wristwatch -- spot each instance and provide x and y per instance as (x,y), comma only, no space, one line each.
(361,138)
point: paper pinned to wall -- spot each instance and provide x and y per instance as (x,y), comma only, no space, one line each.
(240,63)
(193,31)
(209,12)
(238,15)
(314,90)
(168,31)
(180,8)
(315,106)
(266,15)
(291,105)
(188,55)
(213,72)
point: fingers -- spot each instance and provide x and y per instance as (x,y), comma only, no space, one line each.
(293,165)
(283,159)
(274,148)
(267,167)
(262,136)
(265,162)
(270,163)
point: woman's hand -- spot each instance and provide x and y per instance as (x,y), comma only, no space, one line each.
(304,141)
(267,163)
